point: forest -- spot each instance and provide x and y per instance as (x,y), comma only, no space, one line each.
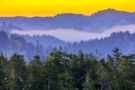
(64,71)
(43,45)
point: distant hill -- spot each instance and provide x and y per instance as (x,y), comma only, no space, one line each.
(102,47)
(9,27)
(94,23)
(44,40)
(43,45)
(28,45)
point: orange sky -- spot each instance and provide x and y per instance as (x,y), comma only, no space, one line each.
(31,8)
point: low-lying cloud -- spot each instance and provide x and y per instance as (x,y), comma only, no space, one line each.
(71,35)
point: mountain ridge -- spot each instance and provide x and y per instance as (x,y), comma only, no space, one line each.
(93,23)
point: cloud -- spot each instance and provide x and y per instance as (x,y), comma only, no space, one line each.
(71,35)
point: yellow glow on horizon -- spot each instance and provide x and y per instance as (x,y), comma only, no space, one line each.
(43,8)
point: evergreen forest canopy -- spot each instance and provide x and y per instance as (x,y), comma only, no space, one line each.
(63,71)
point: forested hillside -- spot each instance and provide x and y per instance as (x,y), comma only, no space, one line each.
(43,45)
(28,45)
(102,47)
(62,71)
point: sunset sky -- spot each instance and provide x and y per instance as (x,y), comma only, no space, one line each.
(31,8)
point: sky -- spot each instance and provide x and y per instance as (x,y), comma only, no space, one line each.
(43,8)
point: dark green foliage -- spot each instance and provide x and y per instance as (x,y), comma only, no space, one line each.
(17,72)
(62,71)
(2,73)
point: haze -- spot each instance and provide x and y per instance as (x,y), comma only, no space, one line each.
(71,35)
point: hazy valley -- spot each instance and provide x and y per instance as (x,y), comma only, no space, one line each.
(100,32)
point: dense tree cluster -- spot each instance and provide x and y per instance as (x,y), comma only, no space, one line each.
(62,71)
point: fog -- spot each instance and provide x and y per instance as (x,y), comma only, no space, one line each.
(71,35)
